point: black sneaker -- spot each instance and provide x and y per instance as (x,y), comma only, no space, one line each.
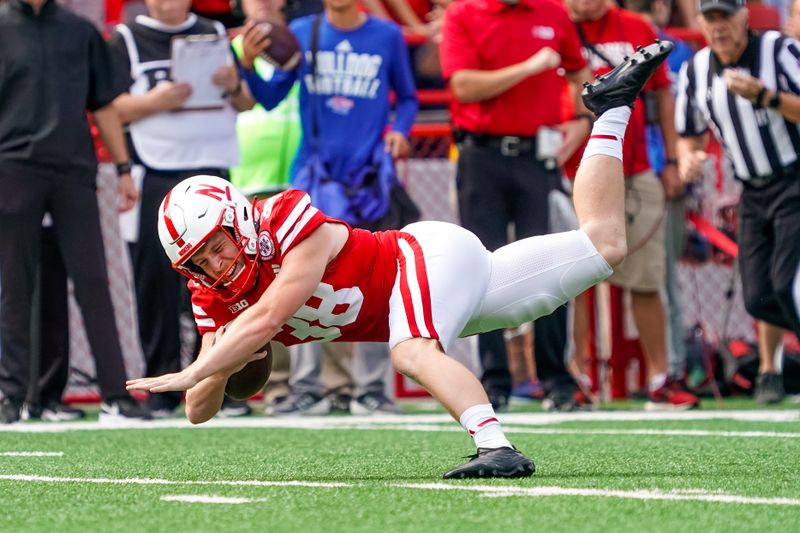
(769,388)
(566,399)
(494,462)
(373,403)
(340,402)
(162,405)
(9,410)
(58,412)
(303,404)
(622,86)
(234,408)
(122,410)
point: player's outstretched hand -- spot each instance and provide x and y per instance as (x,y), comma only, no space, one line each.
(179,381)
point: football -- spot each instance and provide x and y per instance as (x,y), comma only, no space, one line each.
(284,50)
(250,379)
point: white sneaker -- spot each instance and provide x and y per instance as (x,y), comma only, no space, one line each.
(58,412)
(122,410)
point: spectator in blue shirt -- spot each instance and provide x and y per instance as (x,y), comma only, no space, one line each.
(345,110)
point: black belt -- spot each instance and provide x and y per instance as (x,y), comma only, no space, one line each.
(759,182)
(508,145)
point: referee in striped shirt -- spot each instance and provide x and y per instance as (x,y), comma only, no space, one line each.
(744,87)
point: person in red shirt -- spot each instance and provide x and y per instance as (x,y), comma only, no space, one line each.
(282,270)
(609,35)
(511,141)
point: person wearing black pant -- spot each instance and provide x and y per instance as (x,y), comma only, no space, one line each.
(158,310)
(494,189)
(750,89)
(60,68)
(511,145)
(44,398)
(169,140)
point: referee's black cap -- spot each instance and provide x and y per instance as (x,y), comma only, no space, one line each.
(728,6)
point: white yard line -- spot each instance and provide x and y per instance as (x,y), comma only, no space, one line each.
(207,498)
(409,421)
(156,481)
(700,495)
(577,431)
(31,454)
(687,495)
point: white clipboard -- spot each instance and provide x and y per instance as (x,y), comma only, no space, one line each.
(195,59)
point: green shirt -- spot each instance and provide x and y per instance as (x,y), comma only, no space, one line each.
(268,140)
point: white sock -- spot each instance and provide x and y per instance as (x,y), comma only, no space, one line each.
(657,381)
(483,425)
(607,133)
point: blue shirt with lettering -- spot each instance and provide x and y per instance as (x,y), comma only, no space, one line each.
(355,72)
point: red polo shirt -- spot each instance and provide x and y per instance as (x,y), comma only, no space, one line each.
(616,35)
(489,35)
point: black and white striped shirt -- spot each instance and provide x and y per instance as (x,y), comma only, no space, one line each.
(759,141)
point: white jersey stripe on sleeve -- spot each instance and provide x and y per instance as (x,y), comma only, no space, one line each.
(205,322)
(293,217)
(198,311)
(287,242)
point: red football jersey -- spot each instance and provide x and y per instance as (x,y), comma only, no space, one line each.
(351,302)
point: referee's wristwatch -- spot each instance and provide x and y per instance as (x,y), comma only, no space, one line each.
(775,101)
(123,168)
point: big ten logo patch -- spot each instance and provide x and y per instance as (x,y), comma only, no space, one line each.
(266,248)
(325,312)
(238,306)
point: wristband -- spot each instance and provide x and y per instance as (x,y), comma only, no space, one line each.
(123,168)
(760,96)
(671,162)
(775,101)
(237,90)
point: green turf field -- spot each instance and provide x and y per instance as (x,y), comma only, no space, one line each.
(607,471)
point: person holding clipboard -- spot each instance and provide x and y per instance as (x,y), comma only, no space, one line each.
(179,108)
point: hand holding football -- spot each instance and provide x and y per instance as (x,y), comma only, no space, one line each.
(283,50)
(250,379)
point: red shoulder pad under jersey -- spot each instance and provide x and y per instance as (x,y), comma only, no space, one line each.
(289,217)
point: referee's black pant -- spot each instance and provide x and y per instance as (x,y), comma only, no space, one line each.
(769,251)
(161,293)
(494,190)
(70,196)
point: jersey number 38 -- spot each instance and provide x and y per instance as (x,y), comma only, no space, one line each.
(327,309)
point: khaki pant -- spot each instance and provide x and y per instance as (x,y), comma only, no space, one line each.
(644,269)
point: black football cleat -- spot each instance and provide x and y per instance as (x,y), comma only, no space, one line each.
(494,462)
(622,85)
